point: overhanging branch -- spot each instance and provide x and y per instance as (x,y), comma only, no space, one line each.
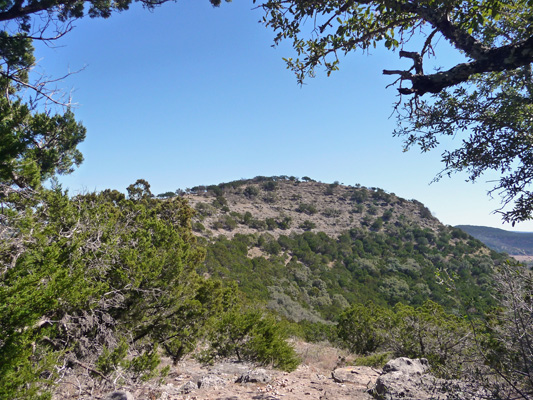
(503,58)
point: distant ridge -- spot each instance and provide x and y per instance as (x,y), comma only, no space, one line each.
(512,243)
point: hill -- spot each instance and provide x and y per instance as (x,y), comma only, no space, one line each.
(307,249)
(281,206)
(512,243)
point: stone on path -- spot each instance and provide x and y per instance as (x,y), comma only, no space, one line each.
(119,395)
(363,377)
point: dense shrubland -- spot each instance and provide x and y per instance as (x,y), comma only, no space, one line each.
(441,296)
(105,283)
(312,273)
(250,336)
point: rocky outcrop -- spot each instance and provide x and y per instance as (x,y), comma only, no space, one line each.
(188,387)
(363,377)
(211,381)
(258,375)
(119,395)
(407,366)
(408,379)
(401,379)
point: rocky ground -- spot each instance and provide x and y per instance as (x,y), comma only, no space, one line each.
(320,377)
(241,381)
(229,380)
(334,212)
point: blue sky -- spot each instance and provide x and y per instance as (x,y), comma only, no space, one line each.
(190,94)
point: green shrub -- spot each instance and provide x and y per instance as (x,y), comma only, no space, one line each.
(376,360)
(251,191)
(99,267)
(315,332)
(377,225)
(359,196)
(285,223)
(387,215)
(250,336)
(205,209)
(111,360)
(247,218)
(228,223)
(270,186)
(358,209)
(271,223)
(198,227)
(141,366)
(428,331)
(307,225)
(270,198)
(372,209)
(220,202)
(331,213)
(272,247)
(308,209)
(166,195)
(363,327)
(257,224)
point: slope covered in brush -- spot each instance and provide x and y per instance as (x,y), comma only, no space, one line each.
(308,249)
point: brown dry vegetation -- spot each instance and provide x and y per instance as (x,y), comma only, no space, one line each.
(335,212)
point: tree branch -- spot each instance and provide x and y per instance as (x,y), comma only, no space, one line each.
(503,58)
(17,11)
(461,39)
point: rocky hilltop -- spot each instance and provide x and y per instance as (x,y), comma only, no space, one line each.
(283,205)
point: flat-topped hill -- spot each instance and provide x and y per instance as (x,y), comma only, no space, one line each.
(283,205)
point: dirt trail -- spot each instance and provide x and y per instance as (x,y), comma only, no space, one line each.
(190,380)
(219,383)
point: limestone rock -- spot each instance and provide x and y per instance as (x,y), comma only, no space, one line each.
(188,387)
(211,380)
(408,366)
(258,375)
(361,376)
(230,368)
(406,379)
(119,395)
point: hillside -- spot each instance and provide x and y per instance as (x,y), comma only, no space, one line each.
(307,249)
(282,206)
(512,243)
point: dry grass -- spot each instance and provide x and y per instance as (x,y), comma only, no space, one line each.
(322,355)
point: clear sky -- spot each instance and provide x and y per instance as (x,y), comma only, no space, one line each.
(190,95)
